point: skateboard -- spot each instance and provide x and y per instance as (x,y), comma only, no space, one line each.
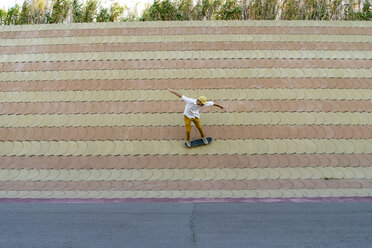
(198,142)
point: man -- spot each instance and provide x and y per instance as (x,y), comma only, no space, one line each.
(191,114)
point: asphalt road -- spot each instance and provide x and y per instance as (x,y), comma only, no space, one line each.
(332,224)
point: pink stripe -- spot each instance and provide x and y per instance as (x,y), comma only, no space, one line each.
(187,200)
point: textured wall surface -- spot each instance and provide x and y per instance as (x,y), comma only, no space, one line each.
(85,111)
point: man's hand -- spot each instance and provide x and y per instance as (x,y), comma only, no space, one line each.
(217,105)
(176,93)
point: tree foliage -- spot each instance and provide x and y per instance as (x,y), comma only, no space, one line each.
(3,15)
(111,14)
(261,10)
(90,10)
(65,11)
(25,16)
(77,11)
(13,15)
(160,11)
(230,10)
(60,11)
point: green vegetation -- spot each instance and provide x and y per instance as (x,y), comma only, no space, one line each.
(67,11)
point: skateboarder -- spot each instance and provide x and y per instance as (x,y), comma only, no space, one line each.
(191,114)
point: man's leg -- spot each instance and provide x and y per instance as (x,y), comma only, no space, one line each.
(188,127)
(199,127)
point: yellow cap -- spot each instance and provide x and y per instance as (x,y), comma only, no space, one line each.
(203,99)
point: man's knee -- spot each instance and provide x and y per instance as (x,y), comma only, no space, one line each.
(198,125)
(188,129)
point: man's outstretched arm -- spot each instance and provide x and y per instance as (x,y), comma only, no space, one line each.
(176,93)
(217,105)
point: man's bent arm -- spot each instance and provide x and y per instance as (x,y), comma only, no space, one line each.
(176,93)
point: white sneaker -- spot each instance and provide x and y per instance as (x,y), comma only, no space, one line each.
(205,141)
(188,143)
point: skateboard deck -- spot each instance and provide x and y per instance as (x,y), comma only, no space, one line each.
(198,142)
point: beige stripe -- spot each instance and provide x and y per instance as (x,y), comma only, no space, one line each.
(157,24)
(185,38)
(173,55)
(181,84)
(187,46)
(131,107)
(176,119)
(178,133)
(176,147)
(185,64)
(187,73)
(187,161)
(187,174)
(187,31)
(187,185)
(164,95)
(280,193)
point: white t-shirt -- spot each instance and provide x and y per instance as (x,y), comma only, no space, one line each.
(192,109)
